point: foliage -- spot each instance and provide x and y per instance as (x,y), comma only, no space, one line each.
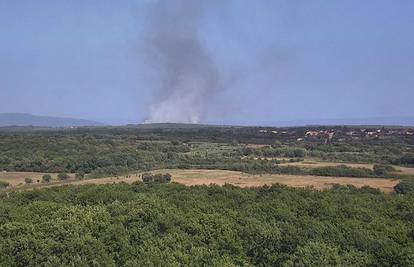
(342,171)
(156,178)
(405,187)
(28,180)
(4,184)
(99,152)
(63,176)
(157,223)
(382,170)
(174,225)
(46,178)
(316,253)
(80,175)
(407,159)
(275,151)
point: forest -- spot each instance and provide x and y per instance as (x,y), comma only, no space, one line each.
(171,225)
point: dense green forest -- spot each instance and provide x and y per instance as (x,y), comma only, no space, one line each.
(174,225)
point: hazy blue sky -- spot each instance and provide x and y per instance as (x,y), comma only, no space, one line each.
(272,60)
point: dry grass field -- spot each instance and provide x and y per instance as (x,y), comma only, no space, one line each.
(219,177)
(16,179)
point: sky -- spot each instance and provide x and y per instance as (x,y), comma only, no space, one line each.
(216,61)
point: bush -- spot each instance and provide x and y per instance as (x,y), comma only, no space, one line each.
(404,187)
(28,180)
(381,170)
(156,178)
(407,159)
(342,171)
(175,143)
(63,176)
(4,184)
(80,175)
(46,178)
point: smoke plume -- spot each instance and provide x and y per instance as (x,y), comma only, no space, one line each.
(187,76)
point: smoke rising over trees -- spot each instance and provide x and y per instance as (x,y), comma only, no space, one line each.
(185,69)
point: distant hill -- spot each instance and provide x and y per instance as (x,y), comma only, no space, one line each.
(22,119)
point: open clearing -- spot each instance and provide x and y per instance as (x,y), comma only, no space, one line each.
(16,178)
(219,177)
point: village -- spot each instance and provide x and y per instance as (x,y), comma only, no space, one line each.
(341,133)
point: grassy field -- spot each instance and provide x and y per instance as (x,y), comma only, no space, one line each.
(220,177)
(16,179)
(206,177)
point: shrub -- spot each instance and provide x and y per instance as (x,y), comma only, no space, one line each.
(342,171)
(28,180)
(63,176)
(175,143)
(381,170)
(156,178)
(407,159)
(299,153)
(4,184)
(404,187)
(46,178)
(80,175)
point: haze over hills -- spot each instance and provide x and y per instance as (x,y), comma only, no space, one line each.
(23,119)
(377,121)
(388,121)
(406,121)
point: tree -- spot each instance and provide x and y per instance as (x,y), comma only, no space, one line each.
(80,175)
(63,176)
(175,143)
(46,178)
(315,254)
(404,187)
(299,153)
(28,180)
(407,159)
(381,170)
(156,178)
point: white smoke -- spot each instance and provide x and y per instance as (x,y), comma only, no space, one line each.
(181,61)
